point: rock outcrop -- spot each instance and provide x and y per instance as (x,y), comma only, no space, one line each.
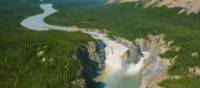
(93,56)
(155,69)
(195,71)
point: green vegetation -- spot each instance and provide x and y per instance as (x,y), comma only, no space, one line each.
(187,82)
(40,59)
(12,12)
(128,21)
(30,59)
(169,54)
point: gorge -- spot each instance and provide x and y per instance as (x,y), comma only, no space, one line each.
(127,64)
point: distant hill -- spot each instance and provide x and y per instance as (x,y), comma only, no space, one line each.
(187,6)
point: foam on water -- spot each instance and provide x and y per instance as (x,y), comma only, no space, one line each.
(134,68)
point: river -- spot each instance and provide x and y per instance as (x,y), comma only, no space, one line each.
(115,75)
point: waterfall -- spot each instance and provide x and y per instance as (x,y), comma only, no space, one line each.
(134,68)
(116,53)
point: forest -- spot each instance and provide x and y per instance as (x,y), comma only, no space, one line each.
(131,21)
(31,59)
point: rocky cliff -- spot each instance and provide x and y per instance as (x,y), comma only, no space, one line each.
(93,56)
(155,69)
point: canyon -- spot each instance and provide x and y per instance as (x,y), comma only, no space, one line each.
(118,57)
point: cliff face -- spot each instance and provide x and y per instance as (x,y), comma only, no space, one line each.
(93,56)
(96,52)
(155,69)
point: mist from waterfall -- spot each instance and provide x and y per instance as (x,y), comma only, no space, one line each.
(118,73)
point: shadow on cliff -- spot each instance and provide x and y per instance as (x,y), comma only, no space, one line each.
(91,68)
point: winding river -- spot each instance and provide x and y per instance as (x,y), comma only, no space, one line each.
(114,75)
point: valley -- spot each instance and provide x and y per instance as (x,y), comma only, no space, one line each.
(98,44)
